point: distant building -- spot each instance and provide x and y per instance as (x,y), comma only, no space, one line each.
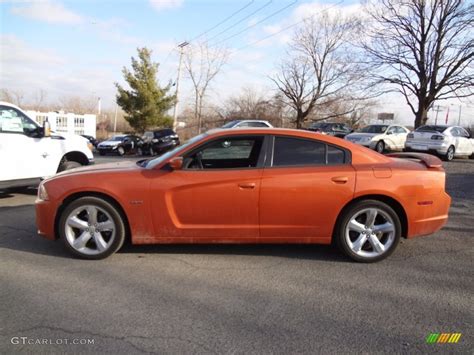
(70,123)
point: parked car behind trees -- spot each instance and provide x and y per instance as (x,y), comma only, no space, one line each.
(447,141)
(159,141)
(330,128)
(380,137)
(120,144)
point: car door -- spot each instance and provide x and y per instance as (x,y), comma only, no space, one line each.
(23,154)
(464,142)
(400,137)
(304,185)
(214,197)
(391,137)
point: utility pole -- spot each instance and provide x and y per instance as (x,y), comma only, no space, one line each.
(437,111)
(459,117)
(115,118)
(175,112)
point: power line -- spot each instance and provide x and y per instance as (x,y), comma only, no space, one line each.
(223,21)
(241,20)
(259,22)
(285,28)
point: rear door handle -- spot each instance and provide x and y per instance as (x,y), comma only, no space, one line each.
(247,185)
(340,179)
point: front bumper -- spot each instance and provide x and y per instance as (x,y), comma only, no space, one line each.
(365,143)
(45,218)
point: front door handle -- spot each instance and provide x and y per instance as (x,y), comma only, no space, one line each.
(247,185)
(340,179)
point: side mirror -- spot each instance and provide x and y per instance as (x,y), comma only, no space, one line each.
(176,163)
(46,129)
(390,132)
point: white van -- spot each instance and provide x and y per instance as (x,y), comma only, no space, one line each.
(29,152)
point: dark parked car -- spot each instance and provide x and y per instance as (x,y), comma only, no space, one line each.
(157,142)
(91,140)
(120,144)
(332,129)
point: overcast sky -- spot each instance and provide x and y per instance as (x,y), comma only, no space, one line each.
(79,47)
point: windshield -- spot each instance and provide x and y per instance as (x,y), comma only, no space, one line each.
(431,128)
(374,129)
(116,138)
(151,163)
(230,124)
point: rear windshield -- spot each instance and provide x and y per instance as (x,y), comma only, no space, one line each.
(230,124)
(431,128)
(374,129)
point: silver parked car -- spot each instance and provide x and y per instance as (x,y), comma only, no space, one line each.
(446,141)
(380,137)
(247,123)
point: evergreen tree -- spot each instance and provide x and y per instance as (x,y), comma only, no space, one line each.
(146,103)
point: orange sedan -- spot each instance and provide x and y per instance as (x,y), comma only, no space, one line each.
(249,186)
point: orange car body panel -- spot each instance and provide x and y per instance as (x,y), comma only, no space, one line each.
(261,205)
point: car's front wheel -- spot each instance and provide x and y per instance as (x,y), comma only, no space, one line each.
(68,165)
(121,151)
(368,231)
(380,147)
(91,228)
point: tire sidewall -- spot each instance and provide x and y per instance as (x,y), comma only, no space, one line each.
(112,210)
(68,165)
(347,215)
(121,151)
(380,144)
(448,157)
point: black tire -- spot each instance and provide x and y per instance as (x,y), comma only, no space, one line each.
(140,151)
(449,154)
(68,165)
(121,151)
(353,210)
(119,237)
(101,152)
(380,147)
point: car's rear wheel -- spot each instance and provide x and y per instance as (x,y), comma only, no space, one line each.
(91,228)
(449,154)
(380,147)
(368,231)
(121,151)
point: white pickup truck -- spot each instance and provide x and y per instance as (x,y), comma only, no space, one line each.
(29,152)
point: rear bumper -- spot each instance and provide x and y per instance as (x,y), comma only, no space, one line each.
(438,148)
(430,218)
(45,217)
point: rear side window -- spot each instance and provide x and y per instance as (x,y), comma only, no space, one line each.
(299,152)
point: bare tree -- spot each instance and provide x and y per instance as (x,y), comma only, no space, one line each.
(13,96)
(78,104)
(39,99)
(422,49)
(321,69)
(202,64)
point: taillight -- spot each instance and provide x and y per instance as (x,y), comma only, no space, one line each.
(410,135)
(437,137)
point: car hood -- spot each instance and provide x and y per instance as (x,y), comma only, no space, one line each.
(362,135)
(109,143)
(108,167)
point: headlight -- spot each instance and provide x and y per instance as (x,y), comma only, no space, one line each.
(42,193)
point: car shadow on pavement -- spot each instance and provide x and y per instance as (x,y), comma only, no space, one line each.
(294,251)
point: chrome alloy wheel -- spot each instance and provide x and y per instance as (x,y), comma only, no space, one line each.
(90,230)
(370,232)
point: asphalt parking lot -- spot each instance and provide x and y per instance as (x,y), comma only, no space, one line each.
(238,299)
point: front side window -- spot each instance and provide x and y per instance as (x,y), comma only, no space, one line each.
(226,153)
(13,121)
(289,151)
